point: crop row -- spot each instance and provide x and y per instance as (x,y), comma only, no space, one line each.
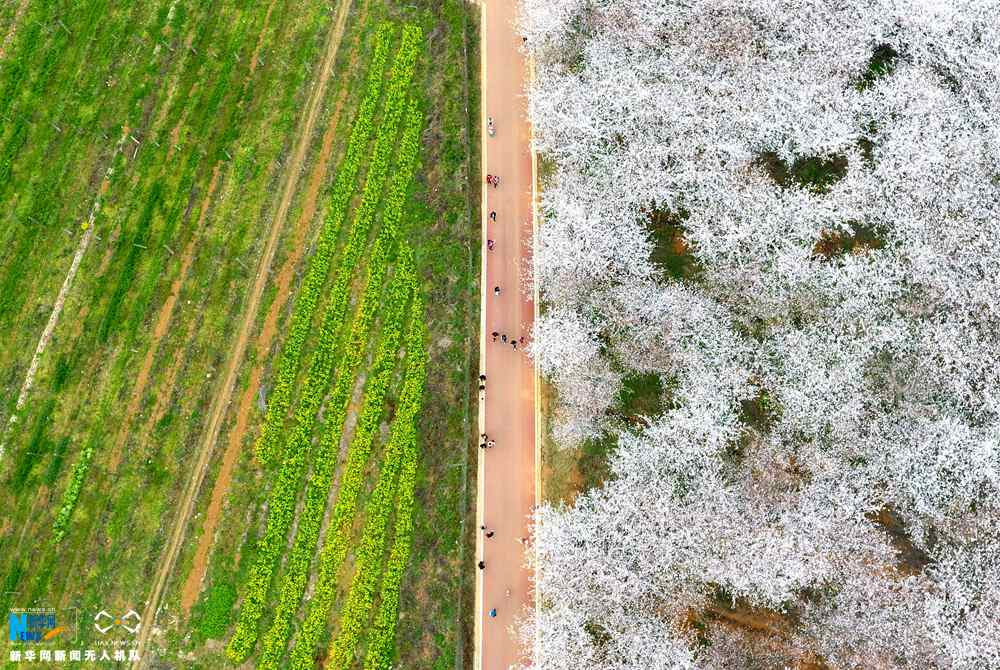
(340,533)
(382,635)
(285,491)
(319,265)
(307,538)
(379,379)
(369,557)
(322,364)
(307,535)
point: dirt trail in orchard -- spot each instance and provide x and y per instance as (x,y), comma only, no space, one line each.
(224,391)
(192,586)
(160,329)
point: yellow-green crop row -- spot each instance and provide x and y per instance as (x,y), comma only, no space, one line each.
(382,638)
(341,526)
(310,522)
(357,458)
(319,265)
(369,557)
(285,492)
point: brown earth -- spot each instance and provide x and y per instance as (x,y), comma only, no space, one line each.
(160,329)
(222,398)
(192,586)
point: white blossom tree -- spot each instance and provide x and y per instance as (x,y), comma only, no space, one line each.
(829,452)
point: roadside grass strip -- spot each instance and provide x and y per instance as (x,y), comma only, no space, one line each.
(382,633)
(340,533)
(285,492)
(307,536)
(370,556)
(306,303)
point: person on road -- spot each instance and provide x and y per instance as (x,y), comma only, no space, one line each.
(493,215)
(514,342)
(521,340)
(490,444)
(482,565)
(496,181)
(489,244)
(496,290)
(489,179)
(503,338)
(495,335)
(490,128)
(482,445)
(482,378)
(493,613)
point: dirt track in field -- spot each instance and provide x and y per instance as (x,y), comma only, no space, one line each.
(192,586)
(224,392)
(160,329)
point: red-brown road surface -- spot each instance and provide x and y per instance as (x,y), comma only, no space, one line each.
(507,472)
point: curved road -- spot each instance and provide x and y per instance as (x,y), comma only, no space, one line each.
(507,471)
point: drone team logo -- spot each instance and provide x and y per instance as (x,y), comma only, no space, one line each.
(105,622)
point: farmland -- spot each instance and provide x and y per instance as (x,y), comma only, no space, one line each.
(236,288)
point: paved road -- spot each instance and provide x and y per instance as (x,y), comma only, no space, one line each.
(507,408)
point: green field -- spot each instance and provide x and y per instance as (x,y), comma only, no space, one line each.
(186,153)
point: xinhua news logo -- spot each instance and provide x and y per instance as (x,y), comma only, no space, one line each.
(32,626)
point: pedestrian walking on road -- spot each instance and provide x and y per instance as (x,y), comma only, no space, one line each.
(496,290)
(482,378)
(489,244)
(503,338)
(489,445)
(495,335)
(489,533)
(521,340)
(493,613)
(489,179)
(514,342)
(493,215)
(496,180)
(482,565)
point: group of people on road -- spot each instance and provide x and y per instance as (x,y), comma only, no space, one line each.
(485,441)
